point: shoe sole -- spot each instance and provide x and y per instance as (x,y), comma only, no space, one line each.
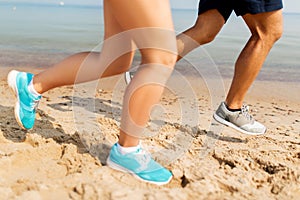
(11,80)
(231,125)
(117,167)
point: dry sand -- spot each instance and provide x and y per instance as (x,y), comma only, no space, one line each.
(52,161)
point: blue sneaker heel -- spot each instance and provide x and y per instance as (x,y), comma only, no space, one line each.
(26,105)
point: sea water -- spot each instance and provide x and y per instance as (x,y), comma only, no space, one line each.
(40,35)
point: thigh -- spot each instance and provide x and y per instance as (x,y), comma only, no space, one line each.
(117,51)
(111,25)
(148,22)
(270,23)
(132,14)
(209,22)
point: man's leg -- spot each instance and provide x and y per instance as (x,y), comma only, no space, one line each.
(206,28)
(266,29)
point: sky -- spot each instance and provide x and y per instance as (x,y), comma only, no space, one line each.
(290,5)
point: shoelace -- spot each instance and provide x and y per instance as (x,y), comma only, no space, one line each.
(143,159)
(34,105)
(245,112)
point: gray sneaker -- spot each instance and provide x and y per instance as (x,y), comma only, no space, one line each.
(239,120)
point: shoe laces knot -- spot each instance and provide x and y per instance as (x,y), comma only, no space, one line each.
(34,105)
(144,158)
(245,112)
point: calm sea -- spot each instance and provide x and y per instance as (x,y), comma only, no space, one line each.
(40,35)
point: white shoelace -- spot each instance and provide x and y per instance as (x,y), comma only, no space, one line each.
(34,105)
(143,158)
(245,112)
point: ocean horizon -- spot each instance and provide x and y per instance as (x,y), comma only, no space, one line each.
(39,35)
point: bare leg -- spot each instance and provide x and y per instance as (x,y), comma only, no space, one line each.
(204,31)
(154,13)
(65,72)
(266,29)
(120,16)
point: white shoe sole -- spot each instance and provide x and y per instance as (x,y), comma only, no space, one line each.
(231,125)
(11,80)
(117,167)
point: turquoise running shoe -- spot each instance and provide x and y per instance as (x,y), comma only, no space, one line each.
(26,104)
(140,165)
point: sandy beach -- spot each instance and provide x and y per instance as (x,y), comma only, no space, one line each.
(60,158)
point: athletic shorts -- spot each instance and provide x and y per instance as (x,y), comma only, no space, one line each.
(240,7)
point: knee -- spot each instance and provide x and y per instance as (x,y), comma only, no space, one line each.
(209,37)
(268,36)
(274,34)
(168,59)
(278,34)
(165,58)
(205,36)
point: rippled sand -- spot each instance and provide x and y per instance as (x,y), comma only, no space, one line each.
(64,158)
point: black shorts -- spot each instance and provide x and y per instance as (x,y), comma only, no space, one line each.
(240,7)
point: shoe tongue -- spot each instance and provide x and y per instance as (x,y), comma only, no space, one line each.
(33,97)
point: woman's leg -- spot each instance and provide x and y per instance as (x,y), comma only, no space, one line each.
(158,48)
(66,72)
(81,67)
(160,58)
